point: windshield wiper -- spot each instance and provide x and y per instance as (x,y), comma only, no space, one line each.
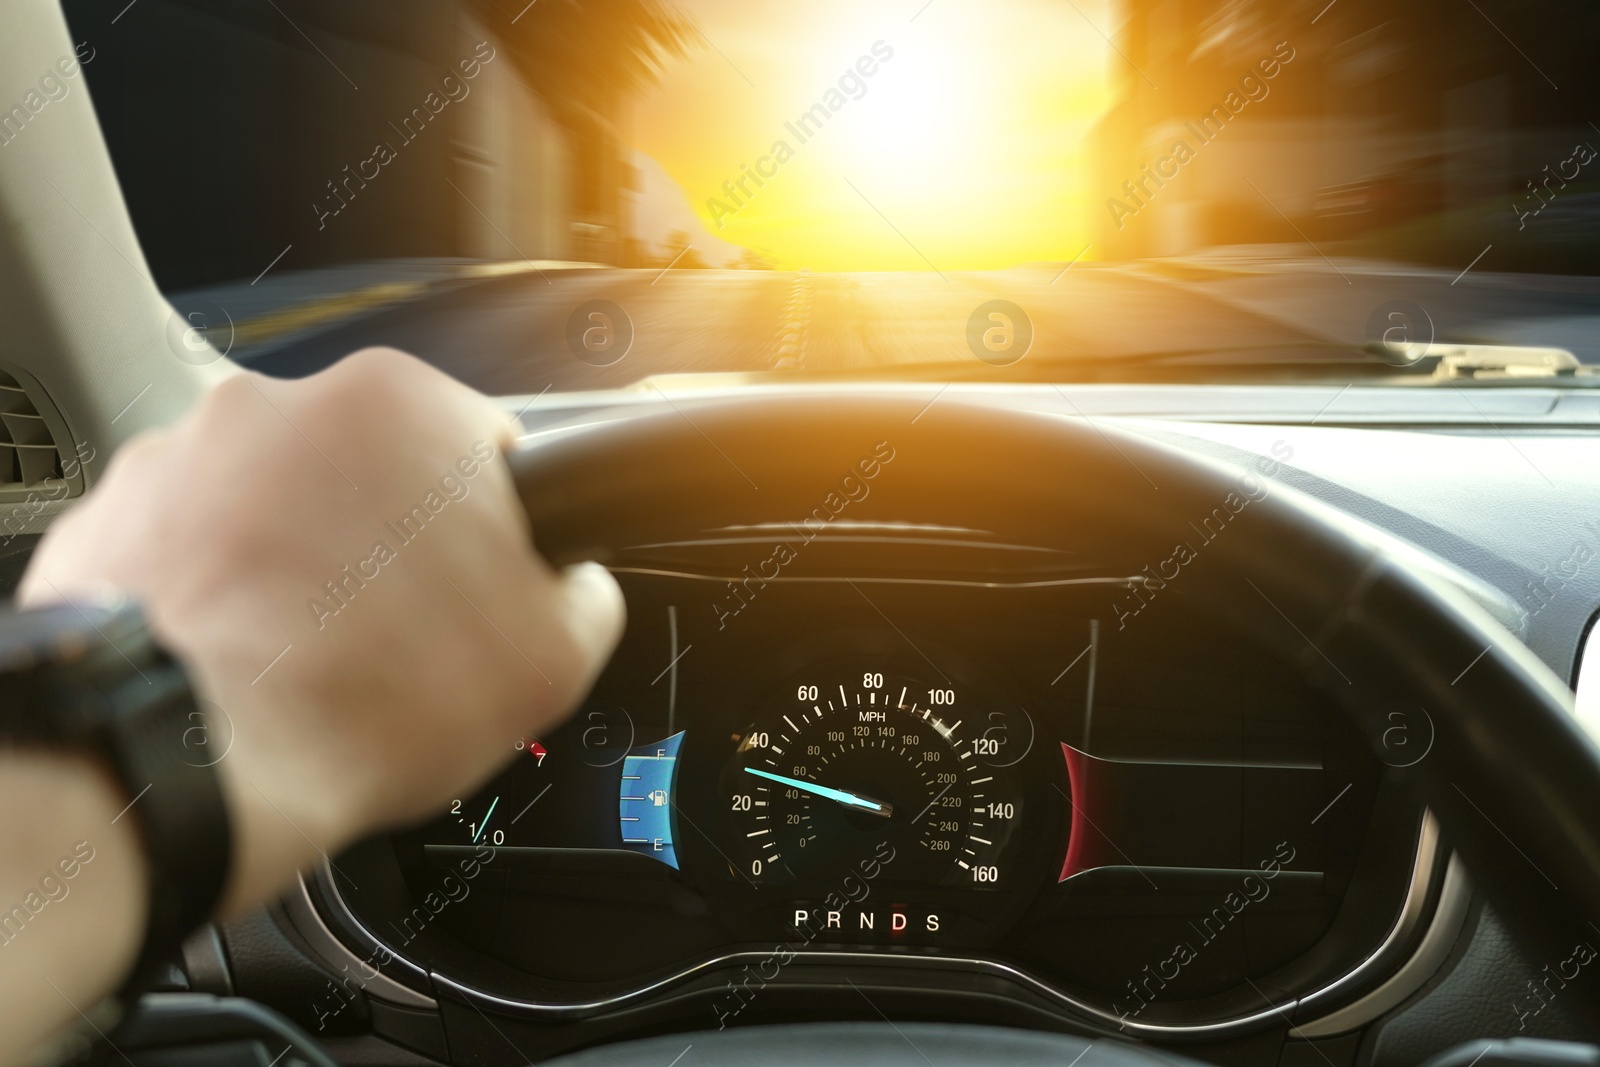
(1435,362)
(1499,362)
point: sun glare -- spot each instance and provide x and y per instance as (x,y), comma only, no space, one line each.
(844,141)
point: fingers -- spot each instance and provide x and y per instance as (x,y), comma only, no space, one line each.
(562,628)
(595,614)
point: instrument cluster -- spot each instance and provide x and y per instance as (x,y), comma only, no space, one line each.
(968,775)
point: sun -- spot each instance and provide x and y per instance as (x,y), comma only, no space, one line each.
(963,148)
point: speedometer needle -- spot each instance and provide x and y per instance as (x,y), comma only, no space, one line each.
(850,800)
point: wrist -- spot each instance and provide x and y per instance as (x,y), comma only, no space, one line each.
(88,682)
(276,834)
(74,892)
(280,820)
(287,807)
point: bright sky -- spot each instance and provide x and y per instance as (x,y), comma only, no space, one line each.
(969,139)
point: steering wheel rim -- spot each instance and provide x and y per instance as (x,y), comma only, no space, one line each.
(1509,771)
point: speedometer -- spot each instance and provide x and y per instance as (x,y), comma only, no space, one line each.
(839,768)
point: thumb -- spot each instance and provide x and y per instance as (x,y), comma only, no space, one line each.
(595,614)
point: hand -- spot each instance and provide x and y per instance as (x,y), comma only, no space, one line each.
(343,565)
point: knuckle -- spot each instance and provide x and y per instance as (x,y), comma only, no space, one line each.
(381,381)
(138,453)
(230,394)
(383,371)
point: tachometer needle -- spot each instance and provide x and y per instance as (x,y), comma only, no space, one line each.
(849,800)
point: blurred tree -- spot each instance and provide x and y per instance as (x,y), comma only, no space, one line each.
(582,55)
(750,259)
(677,242)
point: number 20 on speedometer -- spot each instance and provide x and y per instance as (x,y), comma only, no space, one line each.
(836,767)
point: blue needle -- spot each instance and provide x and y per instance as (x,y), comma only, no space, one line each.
(485,823)
(827,793)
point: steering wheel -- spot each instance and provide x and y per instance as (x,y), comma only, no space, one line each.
(1511,775)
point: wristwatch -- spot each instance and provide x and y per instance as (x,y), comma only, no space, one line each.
(91,678)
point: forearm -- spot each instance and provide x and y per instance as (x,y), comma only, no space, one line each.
(72,893)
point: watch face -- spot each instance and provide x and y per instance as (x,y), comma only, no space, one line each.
(59,663)
(66,633)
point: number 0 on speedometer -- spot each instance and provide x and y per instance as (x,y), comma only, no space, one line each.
(837,768)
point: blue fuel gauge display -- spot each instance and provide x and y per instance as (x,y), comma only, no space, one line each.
(646,804)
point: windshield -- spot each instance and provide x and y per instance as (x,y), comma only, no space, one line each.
(550,195)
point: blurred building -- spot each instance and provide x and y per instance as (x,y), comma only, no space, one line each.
(661,222)
(361,130)
(1400,130)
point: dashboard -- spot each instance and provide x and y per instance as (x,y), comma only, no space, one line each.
(1002,783)
(1150,824)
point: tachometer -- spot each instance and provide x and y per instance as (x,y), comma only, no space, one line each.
(835,769)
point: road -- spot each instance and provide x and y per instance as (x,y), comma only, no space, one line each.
(510,335)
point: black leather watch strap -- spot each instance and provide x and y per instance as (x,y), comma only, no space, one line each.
(94,679)
(152,739)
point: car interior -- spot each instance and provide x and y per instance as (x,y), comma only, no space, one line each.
(1181,689)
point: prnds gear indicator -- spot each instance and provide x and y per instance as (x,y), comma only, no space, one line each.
(645,807)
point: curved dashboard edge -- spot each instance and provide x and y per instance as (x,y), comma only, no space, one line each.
(1409,975)
(1451,912)
(1423,871)
(303,914)
(1586,686)
(1224,1028)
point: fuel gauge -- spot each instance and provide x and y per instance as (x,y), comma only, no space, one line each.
(646,804)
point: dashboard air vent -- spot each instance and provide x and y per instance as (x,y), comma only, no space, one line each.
(28,450)
(38,463)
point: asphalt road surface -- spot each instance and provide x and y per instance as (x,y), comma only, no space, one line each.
(511,335)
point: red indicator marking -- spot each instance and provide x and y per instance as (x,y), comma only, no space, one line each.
(1076,768)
